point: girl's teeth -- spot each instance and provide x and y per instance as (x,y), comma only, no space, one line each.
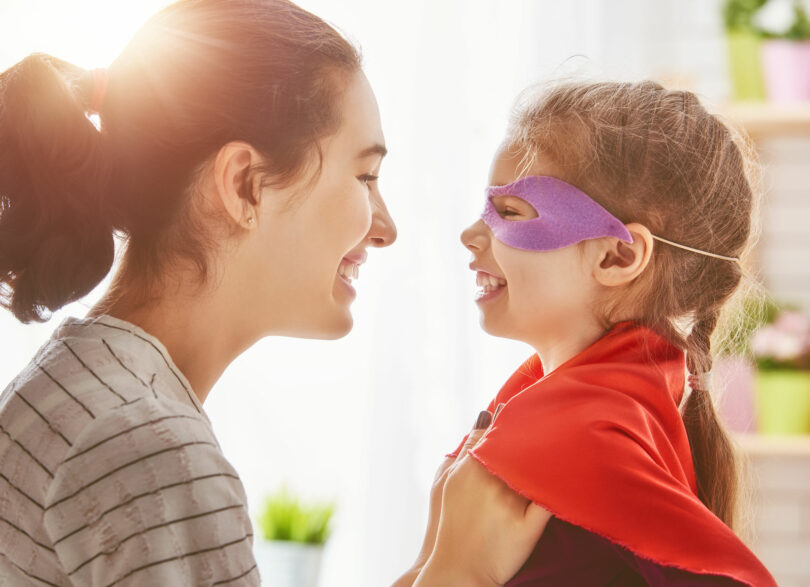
(488,282)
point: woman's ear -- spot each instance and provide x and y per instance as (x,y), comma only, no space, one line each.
(230,171)
(619,262)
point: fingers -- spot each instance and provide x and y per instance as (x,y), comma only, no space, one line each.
(441,472)
(536,514)
(483,421)
(480,428)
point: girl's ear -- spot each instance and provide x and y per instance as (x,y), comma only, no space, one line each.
(619,262)
(231,167)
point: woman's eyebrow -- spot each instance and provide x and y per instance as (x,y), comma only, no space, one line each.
(375,149)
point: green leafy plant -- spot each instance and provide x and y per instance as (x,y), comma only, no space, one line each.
(738,14)
(285,517)
(800,29)
(743,16)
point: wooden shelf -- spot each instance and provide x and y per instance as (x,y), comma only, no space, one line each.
(756,444)
(764,119)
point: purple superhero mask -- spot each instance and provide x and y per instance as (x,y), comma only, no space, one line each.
(565,216)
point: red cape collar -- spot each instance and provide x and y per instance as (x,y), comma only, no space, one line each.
(600,443)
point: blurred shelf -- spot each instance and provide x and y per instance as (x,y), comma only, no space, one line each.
(757,444)
(764,119)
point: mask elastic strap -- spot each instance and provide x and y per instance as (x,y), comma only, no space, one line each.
(707,253)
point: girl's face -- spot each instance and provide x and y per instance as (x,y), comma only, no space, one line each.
(311,240)
(533,296)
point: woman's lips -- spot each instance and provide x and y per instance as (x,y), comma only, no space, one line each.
(349,269)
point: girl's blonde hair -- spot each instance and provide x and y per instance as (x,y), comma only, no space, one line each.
(657,157)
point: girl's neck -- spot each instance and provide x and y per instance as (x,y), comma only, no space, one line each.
(570,341)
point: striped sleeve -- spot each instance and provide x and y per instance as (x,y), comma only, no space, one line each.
(146,497)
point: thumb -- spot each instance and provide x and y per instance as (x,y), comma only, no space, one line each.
(536,517)
(481,426)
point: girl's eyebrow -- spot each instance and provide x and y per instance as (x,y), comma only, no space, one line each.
(375,149)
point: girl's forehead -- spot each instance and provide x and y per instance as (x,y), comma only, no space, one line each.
(511,164)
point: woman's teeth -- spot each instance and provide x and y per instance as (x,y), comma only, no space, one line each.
(349,271)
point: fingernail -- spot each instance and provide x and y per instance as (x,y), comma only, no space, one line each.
(498,410)
(483,421)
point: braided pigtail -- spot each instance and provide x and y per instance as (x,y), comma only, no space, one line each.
(713,455)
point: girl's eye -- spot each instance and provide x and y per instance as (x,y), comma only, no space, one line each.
(368,178)
(507,212)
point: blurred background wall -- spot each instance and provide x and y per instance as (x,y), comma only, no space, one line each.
(366,420)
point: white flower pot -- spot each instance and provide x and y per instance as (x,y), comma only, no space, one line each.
(288,564)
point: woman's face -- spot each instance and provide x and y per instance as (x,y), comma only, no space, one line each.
(525,295)
(312,239)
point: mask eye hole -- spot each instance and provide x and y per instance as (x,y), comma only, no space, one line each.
(513,208)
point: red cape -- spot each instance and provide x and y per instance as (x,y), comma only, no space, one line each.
(600,443)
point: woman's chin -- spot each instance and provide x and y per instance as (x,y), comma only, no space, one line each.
(336,325)
(338,330)
(324,326)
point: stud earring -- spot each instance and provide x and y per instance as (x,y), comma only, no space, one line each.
(251,220)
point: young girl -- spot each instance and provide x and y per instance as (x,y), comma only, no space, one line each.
(613,234)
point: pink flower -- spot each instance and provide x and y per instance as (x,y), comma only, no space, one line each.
(793,322)
(786,340)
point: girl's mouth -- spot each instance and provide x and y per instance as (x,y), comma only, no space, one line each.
(489,286)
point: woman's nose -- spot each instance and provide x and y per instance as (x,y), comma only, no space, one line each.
(476,236)
(383,231)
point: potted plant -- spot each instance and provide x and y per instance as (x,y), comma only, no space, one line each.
(782,349)
(785,50)
(743,41)
(293,535)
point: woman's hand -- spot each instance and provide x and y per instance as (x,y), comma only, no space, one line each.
(486,531)
(482,424)
(479,531)
(435,507)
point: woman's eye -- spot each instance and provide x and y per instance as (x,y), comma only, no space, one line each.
(506,212)
(368,178)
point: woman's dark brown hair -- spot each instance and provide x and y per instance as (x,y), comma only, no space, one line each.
(657,157)
(197,75)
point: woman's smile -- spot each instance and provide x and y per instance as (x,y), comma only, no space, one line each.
(349,269)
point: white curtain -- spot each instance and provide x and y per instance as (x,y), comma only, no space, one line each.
(366,420)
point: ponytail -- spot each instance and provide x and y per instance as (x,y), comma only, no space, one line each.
(55,242)
(713,456)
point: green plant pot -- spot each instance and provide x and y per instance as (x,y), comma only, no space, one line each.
(783,402)
(745,66)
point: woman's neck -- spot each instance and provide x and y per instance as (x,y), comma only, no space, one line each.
(200,331)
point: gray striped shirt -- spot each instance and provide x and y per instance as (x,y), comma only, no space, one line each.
(110,473)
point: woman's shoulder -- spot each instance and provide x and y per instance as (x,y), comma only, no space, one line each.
(91,366)
(99,391)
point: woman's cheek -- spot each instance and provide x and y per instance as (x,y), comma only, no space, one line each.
(358,214)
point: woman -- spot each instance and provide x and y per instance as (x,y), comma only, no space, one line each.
(238,151)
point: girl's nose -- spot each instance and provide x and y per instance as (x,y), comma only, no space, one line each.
(476,236)
(383,231)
